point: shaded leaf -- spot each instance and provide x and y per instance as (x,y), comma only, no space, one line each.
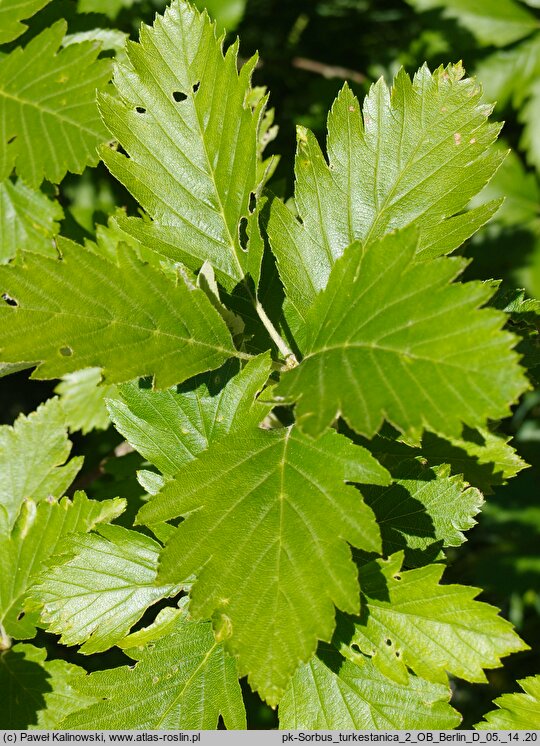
(423,509)
(37,693)
(484,458)
(183,680)
(529,115)
(499,23)
(507,74)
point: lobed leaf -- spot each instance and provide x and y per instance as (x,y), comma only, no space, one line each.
(417,154)
(528,116)
(507,74)
(332,693)
(184,680)
(82,310)
(12,13)
(498,24)
(28,220)
(98,586)
(32,459)
(282,522)
(410,621)
(423,509)
(390,339)
(516,711)
(110,8)
(37,693)
(184,118)
(485,459)
(50,122)
(170,428)
(27,550)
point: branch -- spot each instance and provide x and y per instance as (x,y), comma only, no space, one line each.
(328,71)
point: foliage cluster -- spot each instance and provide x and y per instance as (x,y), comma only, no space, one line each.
(288,411)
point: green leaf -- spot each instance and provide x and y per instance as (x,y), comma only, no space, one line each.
(520,189)
(282,524)
(110,8)
(110,39)
(28,220)
(390,338)
(524,320)
(423,509)
(529,115)
(32,458)
(192,139)
(183,680)
(492,23)
(516,711)
(83,310)
(164,623)
(483,458)
(37,693)
(27,550)
(98,586)
(410,621)
(170,428)
(507,74)
(12,12)
(418,154)
(83,400)
(48,104)
(331,693)
(226,13)
(63,699)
